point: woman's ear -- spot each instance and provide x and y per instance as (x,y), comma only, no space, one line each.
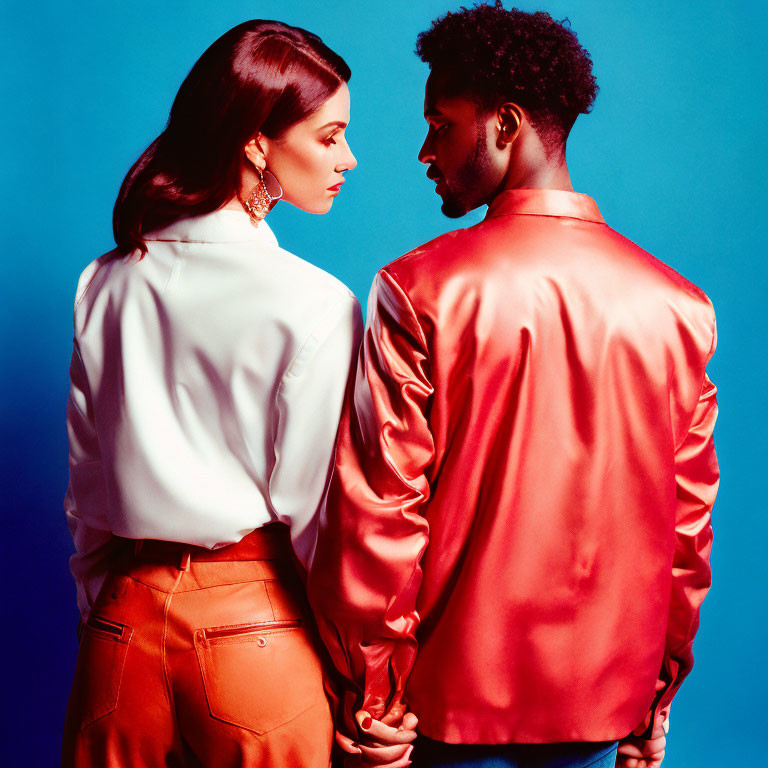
(255,151)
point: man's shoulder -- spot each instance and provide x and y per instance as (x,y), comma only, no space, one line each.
(428,260)
(663,275)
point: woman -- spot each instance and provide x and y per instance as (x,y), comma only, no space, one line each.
(208,373)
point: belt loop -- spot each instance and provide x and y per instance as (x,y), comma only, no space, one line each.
(184,560)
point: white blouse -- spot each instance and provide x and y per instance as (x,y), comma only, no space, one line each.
(207,384)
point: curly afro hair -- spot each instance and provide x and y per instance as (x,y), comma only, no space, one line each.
(493,54)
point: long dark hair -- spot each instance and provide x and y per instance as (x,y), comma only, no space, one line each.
(261,76)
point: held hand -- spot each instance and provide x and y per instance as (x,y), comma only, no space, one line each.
(635,752)
(382,743)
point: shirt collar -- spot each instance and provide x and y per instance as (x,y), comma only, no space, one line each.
(545,202)
(225,225)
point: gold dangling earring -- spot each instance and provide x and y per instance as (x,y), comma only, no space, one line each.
(262,197)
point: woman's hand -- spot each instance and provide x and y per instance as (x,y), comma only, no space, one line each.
(384,743)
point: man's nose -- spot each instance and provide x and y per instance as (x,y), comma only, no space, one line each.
(426,154)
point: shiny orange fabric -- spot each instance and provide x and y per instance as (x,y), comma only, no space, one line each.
(192,657)
(523,483)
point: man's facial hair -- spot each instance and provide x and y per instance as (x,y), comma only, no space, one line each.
(465,183)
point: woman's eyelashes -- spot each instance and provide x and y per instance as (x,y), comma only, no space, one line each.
(337,137)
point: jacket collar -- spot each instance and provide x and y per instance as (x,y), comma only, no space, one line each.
(225,225)
(545,202)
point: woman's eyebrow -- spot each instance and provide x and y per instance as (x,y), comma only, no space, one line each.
(335,123)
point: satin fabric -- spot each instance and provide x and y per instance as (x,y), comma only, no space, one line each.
(523,482)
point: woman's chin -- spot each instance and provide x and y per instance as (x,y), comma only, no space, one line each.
(318,207)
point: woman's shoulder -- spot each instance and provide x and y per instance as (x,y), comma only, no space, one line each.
(95,274)
(317,301)
(252,281)
(305,276)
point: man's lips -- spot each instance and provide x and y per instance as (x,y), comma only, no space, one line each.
(434,175)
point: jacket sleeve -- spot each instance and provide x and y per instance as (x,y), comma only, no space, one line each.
(85,503)
(309,401)
(366,575)
(697,477)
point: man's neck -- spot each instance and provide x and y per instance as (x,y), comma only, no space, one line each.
(547,176)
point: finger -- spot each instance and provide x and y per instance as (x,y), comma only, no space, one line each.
(376,731)
(383,755)
(640,748)
(363,719)
(347,744)
(661,719)
(653,746)
(395,717)
(402,762)
(397,737)
(630,750)
(394,714)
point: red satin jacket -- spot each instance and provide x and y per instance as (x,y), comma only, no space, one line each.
(517,532)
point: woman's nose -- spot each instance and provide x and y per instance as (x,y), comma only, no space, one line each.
(350,161)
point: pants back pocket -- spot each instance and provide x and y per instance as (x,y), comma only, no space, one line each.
(259,676)
(99,669)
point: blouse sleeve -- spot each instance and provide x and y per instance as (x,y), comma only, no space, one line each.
(85,503)
(309,404)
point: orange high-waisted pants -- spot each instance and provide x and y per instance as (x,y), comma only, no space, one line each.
(193,657)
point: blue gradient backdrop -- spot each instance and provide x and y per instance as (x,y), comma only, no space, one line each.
(674,153)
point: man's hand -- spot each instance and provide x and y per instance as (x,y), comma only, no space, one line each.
(635,752)
(383,743)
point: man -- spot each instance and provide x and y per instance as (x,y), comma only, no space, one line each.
(525,470)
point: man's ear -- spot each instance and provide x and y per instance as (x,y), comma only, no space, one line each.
(255,151)
(509,121)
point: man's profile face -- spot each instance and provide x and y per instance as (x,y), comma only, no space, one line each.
(456,150)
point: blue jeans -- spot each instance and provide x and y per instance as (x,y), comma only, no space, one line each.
(437,754)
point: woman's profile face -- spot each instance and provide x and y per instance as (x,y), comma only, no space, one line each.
(310,157)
